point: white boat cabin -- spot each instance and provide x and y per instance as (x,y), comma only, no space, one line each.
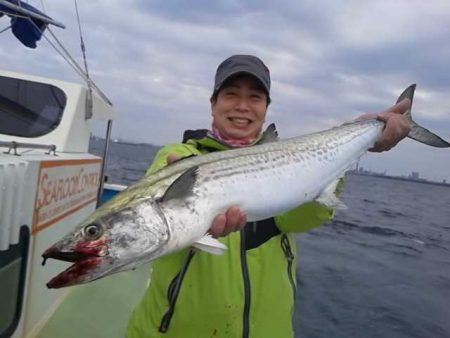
(48,184)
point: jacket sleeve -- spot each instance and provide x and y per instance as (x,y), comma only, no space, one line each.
(179,149)
(307,216)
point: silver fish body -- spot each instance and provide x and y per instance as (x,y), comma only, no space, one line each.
(275,177)
(173,208)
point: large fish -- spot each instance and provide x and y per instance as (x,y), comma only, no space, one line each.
(173,208)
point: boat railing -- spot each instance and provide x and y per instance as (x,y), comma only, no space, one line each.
(13,146)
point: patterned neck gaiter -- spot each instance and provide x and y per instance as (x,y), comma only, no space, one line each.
(215,133)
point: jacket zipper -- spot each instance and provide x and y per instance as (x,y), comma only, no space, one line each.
(246,313)
(286,246)
(173,291)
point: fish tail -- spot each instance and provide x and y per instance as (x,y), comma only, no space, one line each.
(418,132)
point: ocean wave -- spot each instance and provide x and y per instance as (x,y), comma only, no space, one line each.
(376,230)
(391,213)
(403,249)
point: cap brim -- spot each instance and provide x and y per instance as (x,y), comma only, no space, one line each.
(242,71)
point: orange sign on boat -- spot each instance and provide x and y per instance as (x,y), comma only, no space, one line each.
(64,187)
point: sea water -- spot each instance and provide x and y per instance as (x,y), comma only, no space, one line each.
(381,268)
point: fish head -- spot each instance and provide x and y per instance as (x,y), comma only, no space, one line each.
(109,242)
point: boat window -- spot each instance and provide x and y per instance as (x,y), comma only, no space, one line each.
(13,265)
(29,109)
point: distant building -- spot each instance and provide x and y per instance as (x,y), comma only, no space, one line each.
(414,175)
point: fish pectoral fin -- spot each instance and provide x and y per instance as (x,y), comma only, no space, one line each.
(182,186)
(328,197)
(210,244)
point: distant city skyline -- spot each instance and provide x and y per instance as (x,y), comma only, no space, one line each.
(414,175)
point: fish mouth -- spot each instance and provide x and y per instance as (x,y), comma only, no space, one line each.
(85,259)
(68,256)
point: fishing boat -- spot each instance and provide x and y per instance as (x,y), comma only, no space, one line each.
(49,183)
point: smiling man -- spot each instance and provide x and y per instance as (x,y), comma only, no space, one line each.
(240,99)
(250,290)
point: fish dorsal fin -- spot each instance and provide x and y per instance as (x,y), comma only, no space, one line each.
(210,244)
(269,135)
(182,186)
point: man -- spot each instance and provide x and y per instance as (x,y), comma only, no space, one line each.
(250,290)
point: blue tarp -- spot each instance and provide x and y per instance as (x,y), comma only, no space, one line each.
(26,29)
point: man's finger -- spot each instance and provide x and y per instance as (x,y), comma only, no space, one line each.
(401,107)
(172,158)
(218,225)
(233,215)
(366,116)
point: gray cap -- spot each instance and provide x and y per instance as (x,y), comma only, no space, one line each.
(243,64)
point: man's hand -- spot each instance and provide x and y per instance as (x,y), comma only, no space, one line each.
(172,158)
(233,219)
(397,126)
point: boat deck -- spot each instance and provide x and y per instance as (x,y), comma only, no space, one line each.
(98,309)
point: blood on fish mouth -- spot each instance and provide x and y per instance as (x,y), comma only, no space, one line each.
(73,273)
(85,257)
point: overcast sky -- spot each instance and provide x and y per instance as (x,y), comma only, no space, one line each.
(330,61)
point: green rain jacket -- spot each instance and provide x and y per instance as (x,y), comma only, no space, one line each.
(247,292)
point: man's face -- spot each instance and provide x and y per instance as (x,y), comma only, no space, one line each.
(240,108)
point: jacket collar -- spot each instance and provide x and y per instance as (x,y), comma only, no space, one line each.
(205,140)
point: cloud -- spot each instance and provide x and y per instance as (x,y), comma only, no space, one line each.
(329,61)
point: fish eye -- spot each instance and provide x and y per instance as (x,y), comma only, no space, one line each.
(93,231)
